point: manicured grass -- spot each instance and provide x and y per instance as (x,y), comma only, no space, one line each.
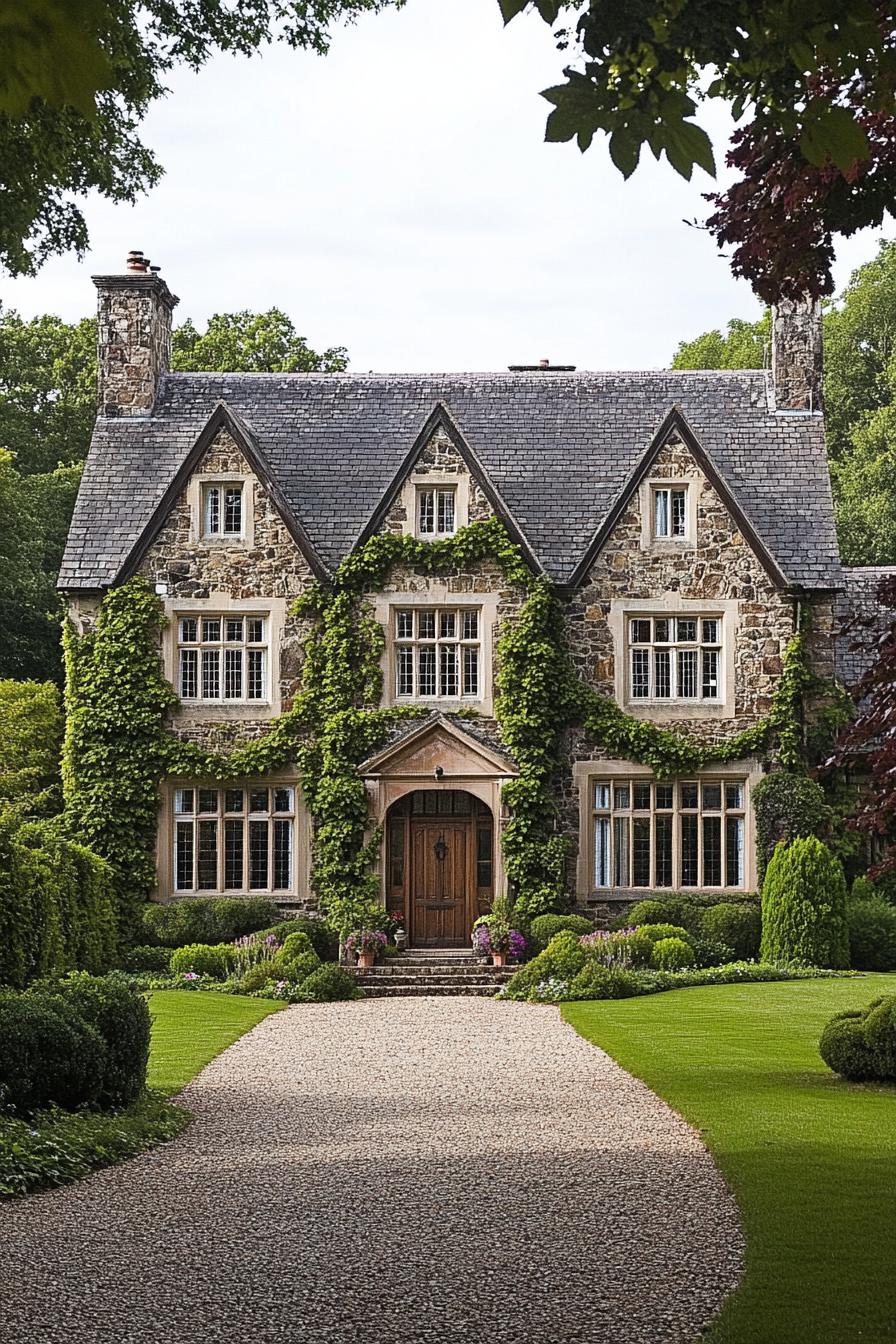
(189,1029)
(811,1158)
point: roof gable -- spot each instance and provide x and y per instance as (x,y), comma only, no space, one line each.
(676,426)
(437,743)
(440,418)
(222,418)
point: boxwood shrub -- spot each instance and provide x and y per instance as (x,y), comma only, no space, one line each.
(121,1016)
(215,920)
(544,927)
(872,933)
(671,954)
(860,1044)
(738,926)
(141,958)
(49,1054)
(327,984)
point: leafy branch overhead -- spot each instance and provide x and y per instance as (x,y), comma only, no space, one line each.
(812,81)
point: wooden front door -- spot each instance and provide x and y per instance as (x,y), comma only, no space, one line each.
(441,876)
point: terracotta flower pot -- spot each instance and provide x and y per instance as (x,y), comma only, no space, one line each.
(366,959)
(499,958)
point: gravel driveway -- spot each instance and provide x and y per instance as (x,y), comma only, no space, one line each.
(406,1171)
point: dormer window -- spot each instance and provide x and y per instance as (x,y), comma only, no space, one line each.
(222,509)
(437,512)
(670,513)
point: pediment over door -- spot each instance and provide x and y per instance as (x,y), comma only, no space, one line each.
(437,744)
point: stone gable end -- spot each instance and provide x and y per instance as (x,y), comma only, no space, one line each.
(439,462)
(716,566)
(265,569)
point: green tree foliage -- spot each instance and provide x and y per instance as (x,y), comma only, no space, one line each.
(76,81)
(30,743)
(47,389)
(804,906)
(787,805)
(815,76)
(251,343)
(746,345)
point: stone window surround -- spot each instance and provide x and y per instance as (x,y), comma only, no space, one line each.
(587,773)
(673,604)
(692,486)
(439,595)
(435,480)
(274,609)
(195,491)
(301,837)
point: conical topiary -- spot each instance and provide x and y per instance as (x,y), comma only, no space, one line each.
(804,906)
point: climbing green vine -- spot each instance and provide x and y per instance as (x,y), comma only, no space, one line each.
(118,748)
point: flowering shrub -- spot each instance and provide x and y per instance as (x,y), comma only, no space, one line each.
(366,940)
(624,950)
(497,938)
(594,981)
(255,949)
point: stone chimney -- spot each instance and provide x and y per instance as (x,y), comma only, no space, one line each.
(797,361)
(133,337)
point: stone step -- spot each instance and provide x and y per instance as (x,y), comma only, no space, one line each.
(393,967)
(428,982)
(387,990)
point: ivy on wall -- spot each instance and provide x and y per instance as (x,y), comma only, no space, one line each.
(118,747)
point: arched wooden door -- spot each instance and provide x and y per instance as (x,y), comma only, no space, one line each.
(440,865)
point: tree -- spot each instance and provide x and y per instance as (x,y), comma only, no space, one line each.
(860,400)
(804,906)
(816,78)
(251,343)
(77,80)
(868,744)
(47,389)
(30,745)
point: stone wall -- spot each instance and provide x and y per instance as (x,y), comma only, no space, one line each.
(797,354)
(268,565)
(133,341)
(440,460)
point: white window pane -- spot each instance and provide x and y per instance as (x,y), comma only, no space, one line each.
(255,674)
(233,674)
(602,851)
(404,671)
(640,673)
(426,625)
(404,624)
(283,799)
(255,630)
(282,856)
(448,625)
(183,856)
(686,630)
(206,855)
(620,851)
(601,796)
(189,688)
(471,671)
(211,630)
(427,671)
(211,675)
(734,851)
(662,630)
(258,855)
(183,800)
(711,632)
(662,674)
(233,509)
(639,631)
(679,513)
(621,797)
(426,512)
(446,510)
(212,510)
(189,632)
(687,673)
(661,513)
(734,796)
(448,670)
(471,625)
(233,629)
(710,674)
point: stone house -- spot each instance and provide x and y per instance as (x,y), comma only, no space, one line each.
(685,520)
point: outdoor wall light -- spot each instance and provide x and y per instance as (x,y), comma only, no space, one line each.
(439,772)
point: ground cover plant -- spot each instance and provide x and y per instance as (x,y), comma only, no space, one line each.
(52,1146)
(811,1159)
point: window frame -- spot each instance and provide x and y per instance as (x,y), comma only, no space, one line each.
(220,816)
(415,643)
(436,489)
(222,646)
(604,859)
(222,533)
(670,489)
(675,646)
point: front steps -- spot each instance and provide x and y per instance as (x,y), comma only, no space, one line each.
(438,972)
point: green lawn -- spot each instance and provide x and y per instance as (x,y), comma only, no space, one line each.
(811,1159)
(189,1029)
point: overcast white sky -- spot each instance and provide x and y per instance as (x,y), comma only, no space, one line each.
(396,197)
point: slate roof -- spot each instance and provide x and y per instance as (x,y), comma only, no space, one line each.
(858,602)
(558,449)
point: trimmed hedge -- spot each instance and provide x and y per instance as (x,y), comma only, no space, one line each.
(157,959)
(122,1018)
(656,932)
(872,933)
(738,926)
(861,1044)
(217,920)
(671,954)
(612,983)
(49,1054)
(804,906)
(328,984)
(58,905)
(685,909)
(215,959)
(544,927)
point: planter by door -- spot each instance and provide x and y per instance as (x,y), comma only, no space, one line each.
(366,959)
